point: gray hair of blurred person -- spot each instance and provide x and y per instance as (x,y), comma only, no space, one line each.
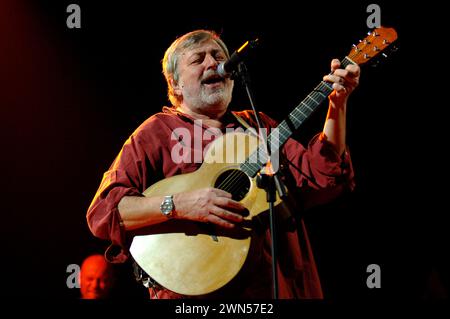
(172,55)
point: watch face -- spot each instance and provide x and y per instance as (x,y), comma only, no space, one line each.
(167,206)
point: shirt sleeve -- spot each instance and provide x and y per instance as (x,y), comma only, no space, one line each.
(318,170)
(122,179)
(319,165)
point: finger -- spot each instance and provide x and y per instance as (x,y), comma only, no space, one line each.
(339,88)
(225,214)
(335,64)
(346,73)
(351,83)
(222,193)
(353,69)
(229,203)
(333,79)
(219,221)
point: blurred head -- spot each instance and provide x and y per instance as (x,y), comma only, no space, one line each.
(96,278)
(190,65)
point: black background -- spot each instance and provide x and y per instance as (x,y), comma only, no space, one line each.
(70,98)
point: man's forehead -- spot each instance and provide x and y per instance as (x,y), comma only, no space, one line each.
(95,271)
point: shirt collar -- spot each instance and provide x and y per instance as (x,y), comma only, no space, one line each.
(228,118)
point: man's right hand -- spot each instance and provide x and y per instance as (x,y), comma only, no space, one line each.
(209,205)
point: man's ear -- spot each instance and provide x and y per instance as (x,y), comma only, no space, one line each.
(175,87)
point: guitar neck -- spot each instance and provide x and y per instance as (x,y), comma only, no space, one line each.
(258,159)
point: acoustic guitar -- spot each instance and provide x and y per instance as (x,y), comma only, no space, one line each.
(192,258)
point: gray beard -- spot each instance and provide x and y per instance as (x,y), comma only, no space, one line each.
(218,96)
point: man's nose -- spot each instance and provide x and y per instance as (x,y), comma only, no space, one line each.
(211,62)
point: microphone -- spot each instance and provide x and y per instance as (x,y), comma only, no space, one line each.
(227,68)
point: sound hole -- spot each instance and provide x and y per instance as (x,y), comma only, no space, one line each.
(235,182)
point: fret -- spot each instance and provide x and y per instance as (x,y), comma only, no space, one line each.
(250,169)
(306,107)
(316,102)
(297,112)
(284,130)
(346,61)
(294,119)
(284,126)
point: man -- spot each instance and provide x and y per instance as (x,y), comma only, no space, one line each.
(198,93)
(96,278)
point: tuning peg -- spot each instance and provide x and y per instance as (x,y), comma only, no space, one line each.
(384,55)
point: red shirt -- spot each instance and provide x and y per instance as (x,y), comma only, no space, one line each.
(146,158)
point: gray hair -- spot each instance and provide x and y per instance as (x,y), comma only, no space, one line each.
(171,57)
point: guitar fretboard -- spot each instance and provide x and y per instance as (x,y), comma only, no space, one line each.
(286,128)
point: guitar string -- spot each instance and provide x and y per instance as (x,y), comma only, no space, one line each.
(231,179)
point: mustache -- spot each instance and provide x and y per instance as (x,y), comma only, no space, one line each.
(211,74)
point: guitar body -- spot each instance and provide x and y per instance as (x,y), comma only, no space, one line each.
(192,258)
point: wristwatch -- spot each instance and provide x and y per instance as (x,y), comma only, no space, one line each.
(167,207)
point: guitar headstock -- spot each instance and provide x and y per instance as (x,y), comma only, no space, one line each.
(372,45)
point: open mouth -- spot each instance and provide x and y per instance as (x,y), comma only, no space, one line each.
(213,79)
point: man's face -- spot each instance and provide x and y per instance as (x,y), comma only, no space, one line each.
(95,280)
(202,90)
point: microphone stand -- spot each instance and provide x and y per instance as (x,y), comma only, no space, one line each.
(269,181)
